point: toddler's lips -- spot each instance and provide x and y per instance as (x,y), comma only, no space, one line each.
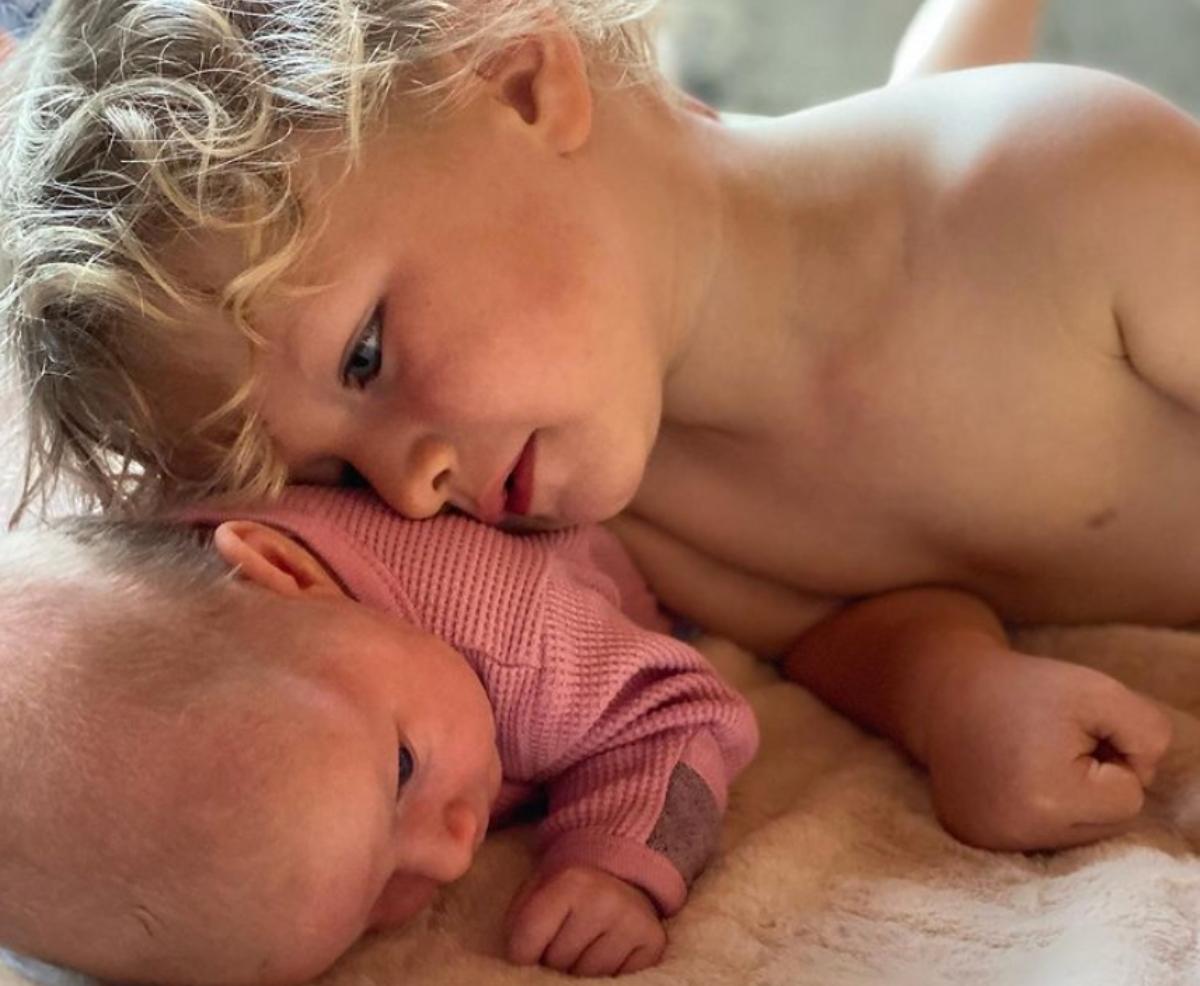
(518,488)
(511,494)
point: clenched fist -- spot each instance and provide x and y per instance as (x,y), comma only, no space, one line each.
(1029,753)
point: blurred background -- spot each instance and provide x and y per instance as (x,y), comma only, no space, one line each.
(774,56)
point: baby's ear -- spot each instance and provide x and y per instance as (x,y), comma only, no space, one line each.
(543,78)
(269,558)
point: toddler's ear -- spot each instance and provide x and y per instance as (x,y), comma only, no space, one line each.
(543,78)
(271,559)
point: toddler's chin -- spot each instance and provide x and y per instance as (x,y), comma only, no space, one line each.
(590,503)
(532,525)
(596,503)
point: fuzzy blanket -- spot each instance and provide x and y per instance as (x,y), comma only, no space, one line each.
(834,872)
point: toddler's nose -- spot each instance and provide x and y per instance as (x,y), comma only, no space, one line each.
(418,486)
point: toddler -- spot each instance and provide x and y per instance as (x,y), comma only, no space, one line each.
(863,382)
(218,780)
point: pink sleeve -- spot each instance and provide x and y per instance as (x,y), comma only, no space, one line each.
(648,739)
(637,601)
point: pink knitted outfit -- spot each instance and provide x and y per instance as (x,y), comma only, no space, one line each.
(630,733)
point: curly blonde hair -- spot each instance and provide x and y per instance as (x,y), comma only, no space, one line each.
(133,124)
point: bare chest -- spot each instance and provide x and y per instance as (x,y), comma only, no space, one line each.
(997,443)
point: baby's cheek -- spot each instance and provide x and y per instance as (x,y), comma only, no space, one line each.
(402,899)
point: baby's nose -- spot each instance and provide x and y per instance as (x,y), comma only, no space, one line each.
(445,845)
(463,831)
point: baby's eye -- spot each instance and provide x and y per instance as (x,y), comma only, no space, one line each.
(406,765)
(365,355)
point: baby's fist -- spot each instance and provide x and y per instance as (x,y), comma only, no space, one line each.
(584,921)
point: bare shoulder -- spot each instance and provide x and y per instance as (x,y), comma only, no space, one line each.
(1014,146)
(1044,114)
(1099,178)
(1049,141)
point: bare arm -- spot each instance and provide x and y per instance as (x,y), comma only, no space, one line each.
(882,662)
(952,34)
(1023,752)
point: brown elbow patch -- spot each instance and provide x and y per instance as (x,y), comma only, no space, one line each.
(689,827)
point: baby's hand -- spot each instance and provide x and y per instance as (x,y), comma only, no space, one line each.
(586,922)
(1030,753)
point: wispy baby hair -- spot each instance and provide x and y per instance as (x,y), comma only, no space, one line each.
(133,126)
(132,660)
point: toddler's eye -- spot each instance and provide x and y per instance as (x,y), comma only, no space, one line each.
(405,767)
(365,355)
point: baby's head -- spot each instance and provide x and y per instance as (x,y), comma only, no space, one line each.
(219,779)
(253,238)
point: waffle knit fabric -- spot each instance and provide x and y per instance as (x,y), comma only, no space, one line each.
(628,733)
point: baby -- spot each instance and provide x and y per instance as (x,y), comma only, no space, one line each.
(218,780)
(864,383)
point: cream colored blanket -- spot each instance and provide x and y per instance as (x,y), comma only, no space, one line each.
(833,871)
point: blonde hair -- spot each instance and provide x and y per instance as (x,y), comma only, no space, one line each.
(135,123)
